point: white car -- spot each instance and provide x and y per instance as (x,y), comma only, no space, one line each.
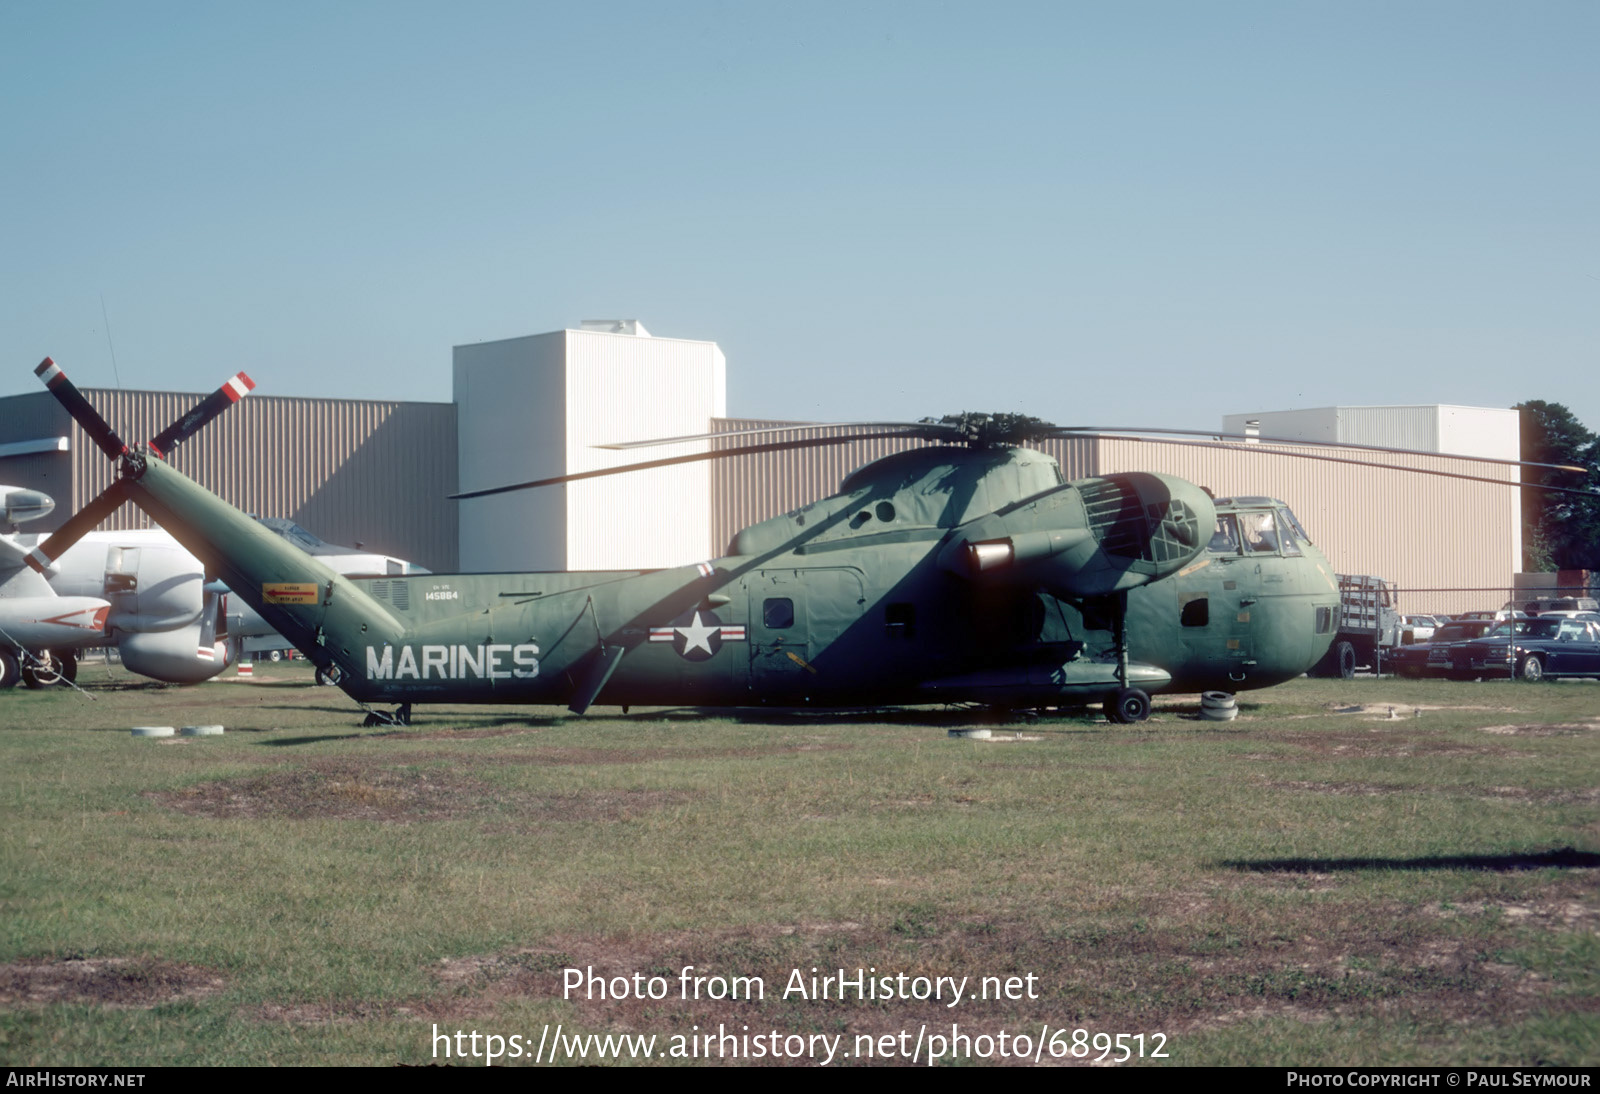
(1417,628)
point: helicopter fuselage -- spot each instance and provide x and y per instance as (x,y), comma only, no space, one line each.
(936,575)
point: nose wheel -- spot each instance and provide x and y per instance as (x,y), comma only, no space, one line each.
(1128,706)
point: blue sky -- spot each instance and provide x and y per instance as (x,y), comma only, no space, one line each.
(1150,213)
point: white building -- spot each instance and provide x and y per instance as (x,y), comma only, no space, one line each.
(1457,430)
(537,407)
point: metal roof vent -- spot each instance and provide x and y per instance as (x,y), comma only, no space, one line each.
(615,326)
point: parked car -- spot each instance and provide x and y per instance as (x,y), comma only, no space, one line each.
(1531,649)
(1417,628)
(1432,658)
(1569,613)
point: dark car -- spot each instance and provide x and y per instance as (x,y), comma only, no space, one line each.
(1432,658)
(1531,649)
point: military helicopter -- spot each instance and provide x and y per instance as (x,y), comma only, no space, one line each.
(966,571)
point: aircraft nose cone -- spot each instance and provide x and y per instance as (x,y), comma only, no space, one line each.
(25,505)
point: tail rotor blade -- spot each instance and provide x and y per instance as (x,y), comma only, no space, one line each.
(43,557)
(72,399)
(206,409)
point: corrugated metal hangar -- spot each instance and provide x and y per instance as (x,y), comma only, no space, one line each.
(379,473)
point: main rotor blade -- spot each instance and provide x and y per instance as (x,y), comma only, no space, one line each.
(206,409)
(788,427)
(43,557)
(88,417)
(671,461)
(1266,450)
(1090,430)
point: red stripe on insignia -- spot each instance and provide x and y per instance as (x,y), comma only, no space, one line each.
(206,655)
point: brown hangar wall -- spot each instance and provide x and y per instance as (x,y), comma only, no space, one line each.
(377,473)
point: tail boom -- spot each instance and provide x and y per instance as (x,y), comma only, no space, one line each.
(317,609)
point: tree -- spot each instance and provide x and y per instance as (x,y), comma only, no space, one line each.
(1559,531)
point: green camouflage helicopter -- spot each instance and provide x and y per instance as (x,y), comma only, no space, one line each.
(967,571)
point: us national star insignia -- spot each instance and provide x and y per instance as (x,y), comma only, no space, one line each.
(697,636)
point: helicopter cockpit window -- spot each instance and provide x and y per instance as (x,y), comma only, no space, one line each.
(1286,533)
(1294,522)
(1260,532)
(1225,540)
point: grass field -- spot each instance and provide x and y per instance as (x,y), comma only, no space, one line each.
(1372,872)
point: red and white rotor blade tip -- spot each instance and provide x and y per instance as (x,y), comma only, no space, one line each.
(185,427)
(88,417)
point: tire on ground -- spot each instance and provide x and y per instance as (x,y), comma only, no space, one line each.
(1128,706)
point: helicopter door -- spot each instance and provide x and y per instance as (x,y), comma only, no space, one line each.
(795,616)
(1270,591)
(1229,608)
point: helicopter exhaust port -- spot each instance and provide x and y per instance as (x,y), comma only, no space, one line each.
(1020,549)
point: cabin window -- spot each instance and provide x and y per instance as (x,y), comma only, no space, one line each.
(1324,620)
(777,613)
(1225,540)
(901,620)
(1197,612)
(1260,532)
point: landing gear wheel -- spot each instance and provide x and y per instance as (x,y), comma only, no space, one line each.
(1128,706)
(1531,669)
(400,717)
(67,661)
(10,671)
(47,670)
(1344,660)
